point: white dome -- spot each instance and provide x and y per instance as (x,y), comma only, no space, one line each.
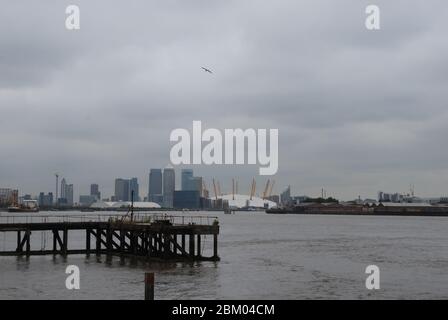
(101,205)
(242,200)
(141,205)
(120,204)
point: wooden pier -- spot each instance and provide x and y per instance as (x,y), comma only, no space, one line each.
(147,236)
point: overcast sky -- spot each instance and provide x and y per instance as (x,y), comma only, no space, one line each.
(357,111)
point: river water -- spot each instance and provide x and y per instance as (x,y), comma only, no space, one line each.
(262,257)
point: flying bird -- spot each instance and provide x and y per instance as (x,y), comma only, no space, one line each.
(206,70)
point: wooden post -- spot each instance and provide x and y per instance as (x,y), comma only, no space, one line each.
(134,242)
(98,241)
(109,240)
(19,241)
(199,245)
(166,245)
(191,245)
(54,241)
(88,241)
(28,246)
(156,243)
(122,240)
(215,246)
(141,238)
(65,242)
(149,286)
(183,242)
(175,242)
(150,245)
(147,236)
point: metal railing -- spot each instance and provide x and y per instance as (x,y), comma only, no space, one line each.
(138,217)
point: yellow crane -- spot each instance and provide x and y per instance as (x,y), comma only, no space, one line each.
(214,188)
(219,189)
(253,188)
(204,189)
(266,188)
(270,189)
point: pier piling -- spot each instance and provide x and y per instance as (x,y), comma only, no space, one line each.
(149,286)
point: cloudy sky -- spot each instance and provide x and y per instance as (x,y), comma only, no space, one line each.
(357,111)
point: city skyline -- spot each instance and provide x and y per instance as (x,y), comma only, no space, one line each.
(186,180)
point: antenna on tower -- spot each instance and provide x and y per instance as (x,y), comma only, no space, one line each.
(57,184)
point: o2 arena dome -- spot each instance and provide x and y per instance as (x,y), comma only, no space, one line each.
(124,204)
(239,201)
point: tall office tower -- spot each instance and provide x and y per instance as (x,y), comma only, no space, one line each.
(155,185)
(50,199)
(133,186)
(198,185)
(69,194)
(169,184)
(63,189)
(121,189)
(95,191)
(57,187)
(186,179)
(66,197)
(45,200)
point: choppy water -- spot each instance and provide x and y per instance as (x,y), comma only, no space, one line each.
(262,257)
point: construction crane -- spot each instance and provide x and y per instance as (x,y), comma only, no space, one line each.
(57,185)
(266,188)
(270,189)
(253,188)
(214,188)
(219,189)
(204,189)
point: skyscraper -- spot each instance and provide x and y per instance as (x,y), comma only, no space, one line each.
(63,189)
(70,194)
(191,183)
(94,191)
(66,193)
(169,183)
(186,199)
(45,200)
(155,185)
(121,189)
(133,186)
(197,185)
(186,179)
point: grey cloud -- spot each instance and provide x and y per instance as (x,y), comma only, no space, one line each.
(357,110)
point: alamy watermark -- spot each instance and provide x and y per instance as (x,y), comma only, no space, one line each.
(373,17)
(73,19)
(73,280)
(373,280)
(228,147)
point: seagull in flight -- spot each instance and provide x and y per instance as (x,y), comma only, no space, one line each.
(207,70)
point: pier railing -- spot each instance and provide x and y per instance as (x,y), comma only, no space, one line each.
(138,217)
